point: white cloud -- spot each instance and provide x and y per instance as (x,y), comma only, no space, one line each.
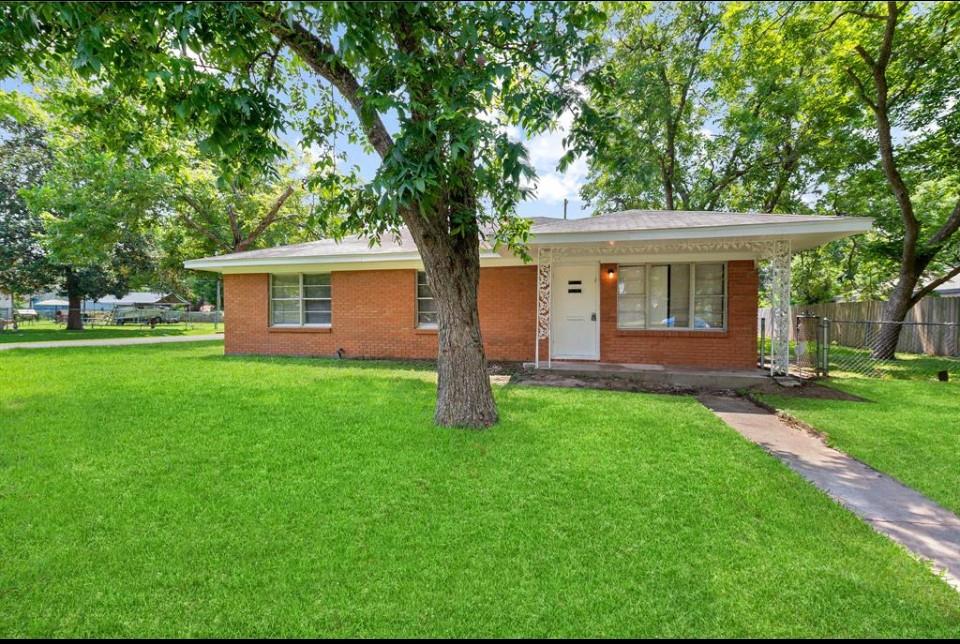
(553,187)
(546,150)
(513,132)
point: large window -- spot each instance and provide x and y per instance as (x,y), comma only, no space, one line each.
(671,296)
(300,300)
(426,307)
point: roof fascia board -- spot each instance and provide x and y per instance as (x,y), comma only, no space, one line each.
(786,229)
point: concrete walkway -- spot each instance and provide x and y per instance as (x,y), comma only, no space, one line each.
(891,508)
(110,342)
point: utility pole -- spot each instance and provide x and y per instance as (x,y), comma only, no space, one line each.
(217,313)
(564,207)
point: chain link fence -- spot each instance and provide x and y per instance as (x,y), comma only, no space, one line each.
(879,349)
(822,347)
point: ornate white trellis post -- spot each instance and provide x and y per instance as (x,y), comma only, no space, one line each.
(780,305)
(544,271)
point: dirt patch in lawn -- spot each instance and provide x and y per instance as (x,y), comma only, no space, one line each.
(807,389)
(610,383)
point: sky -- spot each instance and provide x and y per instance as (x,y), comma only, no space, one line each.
(545,151)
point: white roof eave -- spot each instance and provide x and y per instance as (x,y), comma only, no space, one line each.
(786,230)
(215,263)
(803,233)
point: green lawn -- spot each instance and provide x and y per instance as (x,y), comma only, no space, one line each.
(909,429)
(848,362)
(170,491)
(46,331)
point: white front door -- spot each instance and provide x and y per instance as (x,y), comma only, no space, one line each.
(575,312)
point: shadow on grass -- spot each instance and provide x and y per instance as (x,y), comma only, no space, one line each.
(327,362)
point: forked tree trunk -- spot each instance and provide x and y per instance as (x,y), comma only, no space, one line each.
(74,302)
(894,313)
(464,395)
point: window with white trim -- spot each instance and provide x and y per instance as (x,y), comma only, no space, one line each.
(672,296)
(426,306)
(300,299)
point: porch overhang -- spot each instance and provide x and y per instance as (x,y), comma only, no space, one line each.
(803,233)
(777,250)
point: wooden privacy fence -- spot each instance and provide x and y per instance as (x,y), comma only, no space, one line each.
(932,327)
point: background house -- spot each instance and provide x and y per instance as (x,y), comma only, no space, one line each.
(950,288)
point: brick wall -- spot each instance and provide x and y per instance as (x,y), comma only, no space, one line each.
(374,316)
(735,348)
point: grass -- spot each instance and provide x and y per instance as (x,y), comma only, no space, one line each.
(847,362)
(178,492)
(908,428)
(851,362)
(48,331)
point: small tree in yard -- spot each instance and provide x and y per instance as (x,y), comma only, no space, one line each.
(93,208)
(430,87)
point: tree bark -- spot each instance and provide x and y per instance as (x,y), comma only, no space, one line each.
(895,311)
(452,264)
(911,266)
(74,302)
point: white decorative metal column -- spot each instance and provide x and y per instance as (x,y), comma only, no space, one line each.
(544,271)
(780,307)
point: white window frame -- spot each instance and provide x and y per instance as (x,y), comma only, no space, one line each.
(417,298)
(691,303)
(301,300)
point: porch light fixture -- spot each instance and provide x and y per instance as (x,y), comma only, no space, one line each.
(610,272)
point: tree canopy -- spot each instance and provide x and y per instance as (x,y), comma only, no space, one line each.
(430,87)
(836,108)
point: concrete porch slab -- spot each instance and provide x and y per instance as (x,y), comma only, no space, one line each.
(658,375)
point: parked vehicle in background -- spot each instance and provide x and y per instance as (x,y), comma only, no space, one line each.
(145,315)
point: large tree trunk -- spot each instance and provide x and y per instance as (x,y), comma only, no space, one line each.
(884,346)
(452,263)
(75,301)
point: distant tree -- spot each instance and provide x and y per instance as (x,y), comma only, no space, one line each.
(429,86)
(702,106)
(645,118)
(211,217)
(24,159)
(91,212)
(235,218)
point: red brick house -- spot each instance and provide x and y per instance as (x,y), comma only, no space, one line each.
(638,287)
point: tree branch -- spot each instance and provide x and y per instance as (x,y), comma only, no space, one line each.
(267,219)
(206,232)
(234,224)
(929,288)
(861,88)
(322,58)
(949,227)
